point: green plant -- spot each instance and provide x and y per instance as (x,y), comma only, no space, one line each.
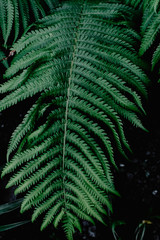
(140,231)
(114,225)
(9,207)
(142,227)
(149,4)
(81,62)
(17,15)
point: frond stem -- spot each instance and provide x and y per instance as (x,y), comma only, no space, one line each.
(68,98)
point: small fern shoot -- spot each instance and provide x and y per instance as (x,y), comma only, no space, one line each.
(81,62)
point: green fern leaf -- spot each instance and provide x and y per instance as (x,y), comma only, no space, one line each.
(156,56)
(16,15)
(152,4)
(3,17)
(150,29)
(82,65)
(10,15)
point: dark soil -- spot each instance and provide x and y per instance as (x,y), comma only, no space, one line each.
(138,182)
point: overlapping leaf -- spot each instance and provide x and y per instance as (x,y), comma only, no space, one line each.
(16,15)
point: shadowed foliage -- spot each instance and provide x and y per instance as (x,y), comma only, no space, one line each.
(81,62)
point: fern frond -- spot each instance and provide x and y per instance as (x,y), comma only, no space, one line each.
(150,29)
(156,56)
(16,15)
(3,17)
(152,4)
(10,13)
(81,63)
(22,130)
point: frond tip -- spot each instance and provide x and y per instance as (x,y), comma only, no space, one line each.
(81,63)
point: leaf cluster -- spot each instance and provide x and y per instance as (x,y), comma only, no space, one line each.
(81,60)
